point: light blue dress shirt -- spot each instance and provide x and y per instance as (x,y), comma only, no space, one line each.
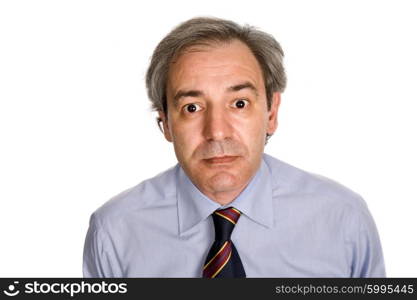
(293,224)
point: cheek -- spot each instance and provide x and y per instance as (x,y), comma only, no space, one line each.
(253,132)
(185,140)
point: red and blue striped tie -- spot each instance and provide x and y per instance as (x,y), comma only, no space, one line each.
(223,259)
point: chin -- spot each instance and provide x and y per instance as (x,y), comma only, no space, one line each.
(223,181)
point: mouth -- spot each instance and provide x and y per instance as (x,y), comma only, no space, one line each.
(221,159)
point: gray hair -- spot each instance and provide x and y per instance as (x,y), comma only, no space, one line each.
(204,30)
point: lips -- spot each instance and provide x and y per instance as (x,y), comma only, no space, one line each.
(221,159)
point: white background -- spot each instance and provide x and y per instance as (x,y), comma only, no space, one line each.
(76,127)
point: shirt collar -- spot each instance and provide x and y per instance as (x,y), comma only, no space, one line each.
(255,201)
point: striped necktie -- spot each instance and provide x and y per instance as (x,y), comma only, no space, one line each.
(223,259)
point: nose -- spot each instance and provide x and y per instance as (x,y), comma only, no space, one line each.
(217,124)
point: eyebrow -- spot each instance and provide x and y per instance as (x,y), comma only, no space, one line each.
(191,93)
(241,86)
(196,93)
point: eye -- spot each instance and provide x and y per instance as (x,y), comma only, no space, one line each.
(192,107)
(240,103)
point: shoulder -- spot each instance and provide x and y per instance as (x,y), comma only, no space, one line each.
(297,185)
(314,197)
(152,192)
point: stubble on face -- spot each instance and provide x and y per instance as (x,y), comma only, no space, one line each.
(239,138)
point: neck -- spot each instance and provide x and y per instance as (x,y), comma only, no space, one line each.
(224,198)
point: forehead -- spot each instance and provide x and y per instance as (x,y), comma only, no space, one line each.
(221,63)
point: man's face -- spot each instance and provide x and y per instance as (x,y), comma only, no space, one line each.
(218,117)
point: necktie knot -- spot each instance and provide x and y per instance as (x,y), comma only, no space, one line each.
(224,223)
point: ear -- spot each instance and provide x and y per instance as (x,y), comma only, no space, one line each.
(273,113)
(165,126)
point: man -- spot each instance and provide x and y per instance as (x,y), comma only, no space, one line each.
(227,209)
